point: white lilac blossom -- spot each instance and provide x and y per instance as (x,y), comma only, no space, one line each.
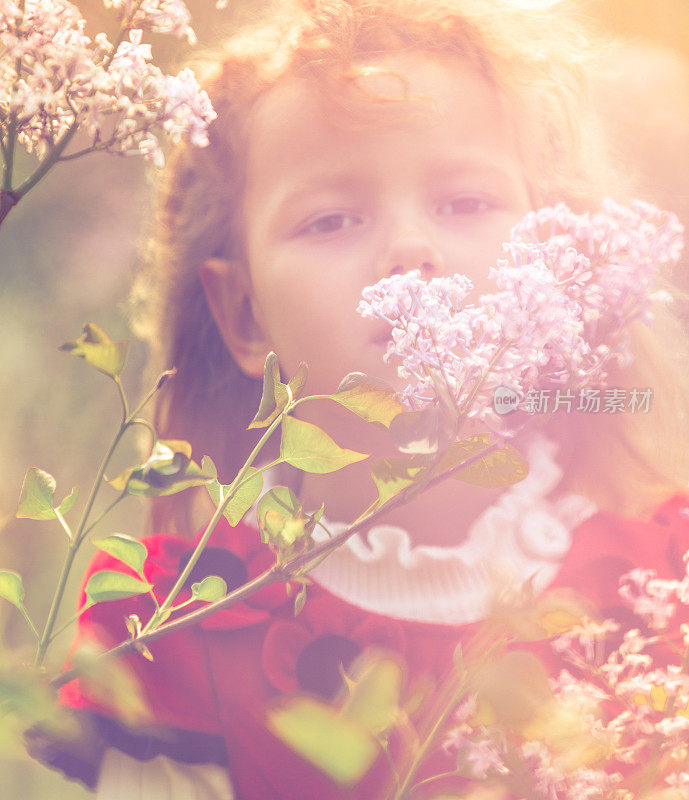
(617,720)
(588,635)
(656,599)
(159,16)
(552,780)
(528,768)
(651,597)
(567,290)
(66,81)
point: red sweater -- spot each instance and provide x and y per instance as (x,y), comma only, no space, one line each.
(210,685)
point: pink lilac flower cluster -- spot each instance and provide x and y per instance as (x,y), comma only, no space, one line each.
(631,703)
(533,768)
(643,696)
(159,16)
(653,599)
(567,290)
(55,80)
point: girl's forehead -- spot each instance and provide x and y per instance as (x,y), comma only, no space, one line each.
(394,96)
(378,91)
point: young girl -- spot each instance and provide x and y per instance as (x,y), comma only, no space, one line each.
(357,140)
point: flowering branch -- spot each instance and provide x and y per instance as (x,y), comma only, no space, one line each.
(55,82)
(614,727)
(83,528)
(277,573)
(562,312)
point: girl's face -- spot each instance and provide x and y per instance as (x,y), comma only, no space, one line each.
(330,209)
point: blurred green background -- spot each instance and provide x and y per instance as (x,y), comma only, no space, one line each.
(69,250)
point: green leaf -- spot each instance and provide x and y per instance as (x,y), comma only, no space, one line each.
(369,398)
(310,449)
(339,746)
(315,518)
(69,501)
(127,549)
(210,589)
(133,624)
(281,499)
(110,585)
(112,683)
(512,690)
(527,616)
(28,700)
(36,497)
(393,475)
(374,695)
(245,496)
(292,530)
(274,397)
(417,432)
(300,600)
(168,470)
(143,649)
(499,468)
(12,588)
(98,350)
(274,510)
(299,380)
(283,524)
(208,466)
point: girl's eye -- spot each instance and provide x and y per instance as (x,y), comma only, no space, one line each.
(464,205)
(331,223)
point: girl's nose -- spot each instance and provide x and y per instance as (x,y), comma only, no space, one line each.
(411,252)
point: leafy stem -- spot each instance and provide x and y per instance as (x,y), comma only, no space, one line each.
(49,161)
(103,513)
(391,763)
(46,636)
(9,196)
(426,781)
(267,578)
(167,603)
(123,398)
(72,619)
(146,424)
(458,687)
(95,487)
(83,528)
(301,563)
(448,708)
(29,622)
(63,522)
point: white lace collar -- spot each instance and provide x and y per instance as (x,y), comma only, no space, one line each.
(522,536)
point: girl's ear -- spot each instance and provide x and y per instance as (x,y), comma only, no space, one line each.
(227,287)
